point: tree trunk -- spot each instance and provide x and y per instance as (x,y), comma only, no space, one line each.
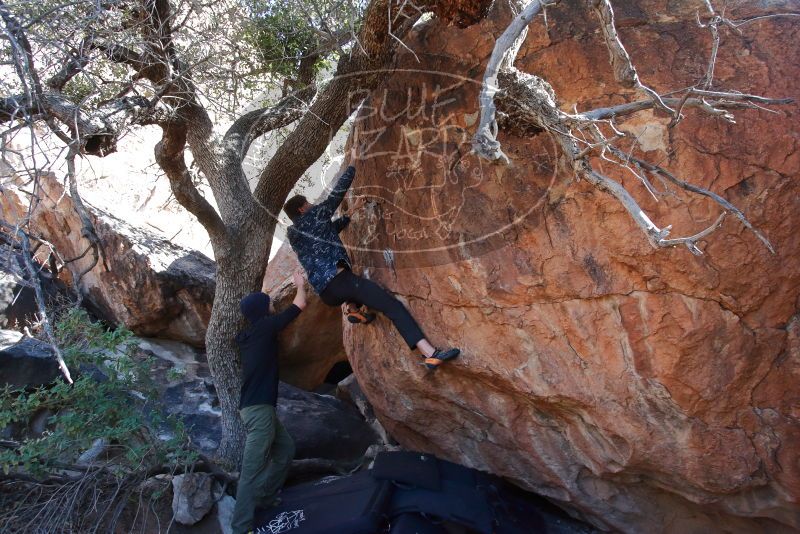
(240,267)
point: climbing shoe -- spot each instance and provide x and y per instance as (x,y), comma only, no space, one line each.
(360,317)
(439,357)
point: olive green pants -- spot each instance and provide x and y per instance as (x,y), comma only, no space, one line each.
(268,453)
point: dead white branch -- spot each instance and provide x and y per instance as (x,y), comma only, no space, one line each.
(624,71)
(654,234)
(527,104)
(718,106)
(691,241)
(727,206)
(485,143)
(738,23)
(40,302)
(713,27)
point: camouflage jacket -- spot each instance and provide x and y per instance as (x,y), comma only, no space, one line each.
(314,237)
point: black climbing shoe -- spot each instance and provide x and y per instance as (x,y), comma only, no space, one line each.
(439,357)
(360,317)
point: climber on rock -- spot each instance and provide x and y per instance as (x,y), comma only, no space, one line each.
(315,239)
(269,449)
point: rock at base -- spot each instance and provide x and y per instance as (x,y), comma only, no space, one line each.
(348,390)
(192,497)
(29,363)
(17,297)
(225,513)
(323,426)
(9,338)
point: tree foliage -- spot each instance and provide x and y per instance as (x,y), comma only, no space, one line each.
(285,32)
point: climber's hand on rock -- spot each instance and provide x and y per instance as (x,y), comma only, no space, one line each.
(300,298)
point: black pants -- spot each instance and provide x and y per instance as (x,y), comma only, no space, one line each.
(347,287)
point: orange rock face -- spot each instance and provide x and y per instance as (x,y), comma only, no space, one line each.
(645,390)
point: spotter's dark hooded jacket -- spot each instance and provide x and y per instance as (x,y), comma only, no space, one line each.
(258,349)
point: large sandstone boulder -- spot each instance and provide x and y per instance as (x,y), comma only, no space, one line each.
(152,286)
(312,344)
(647,390)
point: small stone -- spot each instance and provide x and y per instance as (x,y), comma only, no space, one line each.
(225,513)
(192,497)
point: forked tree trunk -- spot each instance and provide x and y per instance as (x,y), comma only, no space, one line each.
(240,267)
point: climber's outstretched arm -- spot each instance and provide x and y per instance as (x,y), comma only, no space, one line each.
(335,197)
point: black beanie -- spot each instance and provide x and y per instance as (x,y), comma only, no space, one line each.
(254,306)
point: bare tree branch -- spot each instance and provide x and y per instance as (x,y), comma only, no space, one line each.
(656,169)
(714,107)
(22,54)
(256,123)
(691,241)
(528,105)
(162,68)
(713,27)
(125,56)
(87,227)
(97,130)
(742,22)
(485,143)
(170,157)
(624,71)
(77,59)
(40,302)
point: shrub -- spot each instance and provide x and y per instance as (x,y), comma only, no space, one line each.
(113,398)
